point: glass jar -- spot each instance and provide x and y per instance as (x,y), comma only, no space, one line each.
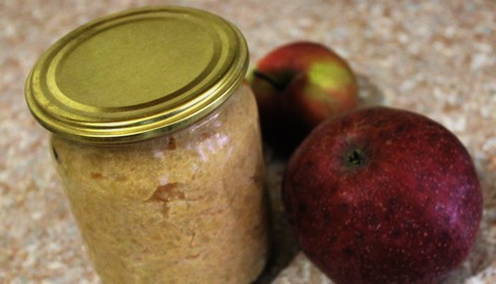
(157,142)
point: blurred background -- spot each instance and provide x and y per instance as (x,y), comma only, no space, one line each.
(435,57)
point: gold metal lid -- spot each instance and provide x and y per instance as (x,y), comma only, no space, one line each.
(136,74)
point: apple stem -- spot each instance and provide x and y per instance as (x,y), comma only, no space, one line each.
(269,80)
(355,158)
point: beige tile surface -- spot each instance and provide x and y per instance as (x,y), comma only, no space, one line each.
(434,57)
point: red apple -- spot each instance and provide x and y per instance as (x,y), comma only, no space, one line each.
(300,84)
(383,196)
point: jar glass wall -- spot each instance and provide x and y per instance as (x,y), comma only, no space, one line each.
(183,208)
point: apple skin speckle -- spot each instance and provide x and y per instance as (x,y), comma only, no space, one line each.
(383,196)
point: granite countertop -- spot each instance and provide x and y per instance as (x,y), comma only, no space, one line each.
(436,57)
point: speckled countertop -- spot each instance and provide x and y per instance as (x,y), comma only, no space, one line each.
(434,57)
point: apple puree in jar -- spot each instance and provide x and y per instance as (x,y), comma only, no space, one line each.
(156,139)
(190,202)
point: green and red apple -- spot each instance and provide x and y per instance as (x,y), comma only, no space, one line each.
(299,85)
(381,195)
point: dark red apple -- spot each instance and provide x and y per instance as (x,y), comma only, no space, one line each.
(383,196)
(300,84)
